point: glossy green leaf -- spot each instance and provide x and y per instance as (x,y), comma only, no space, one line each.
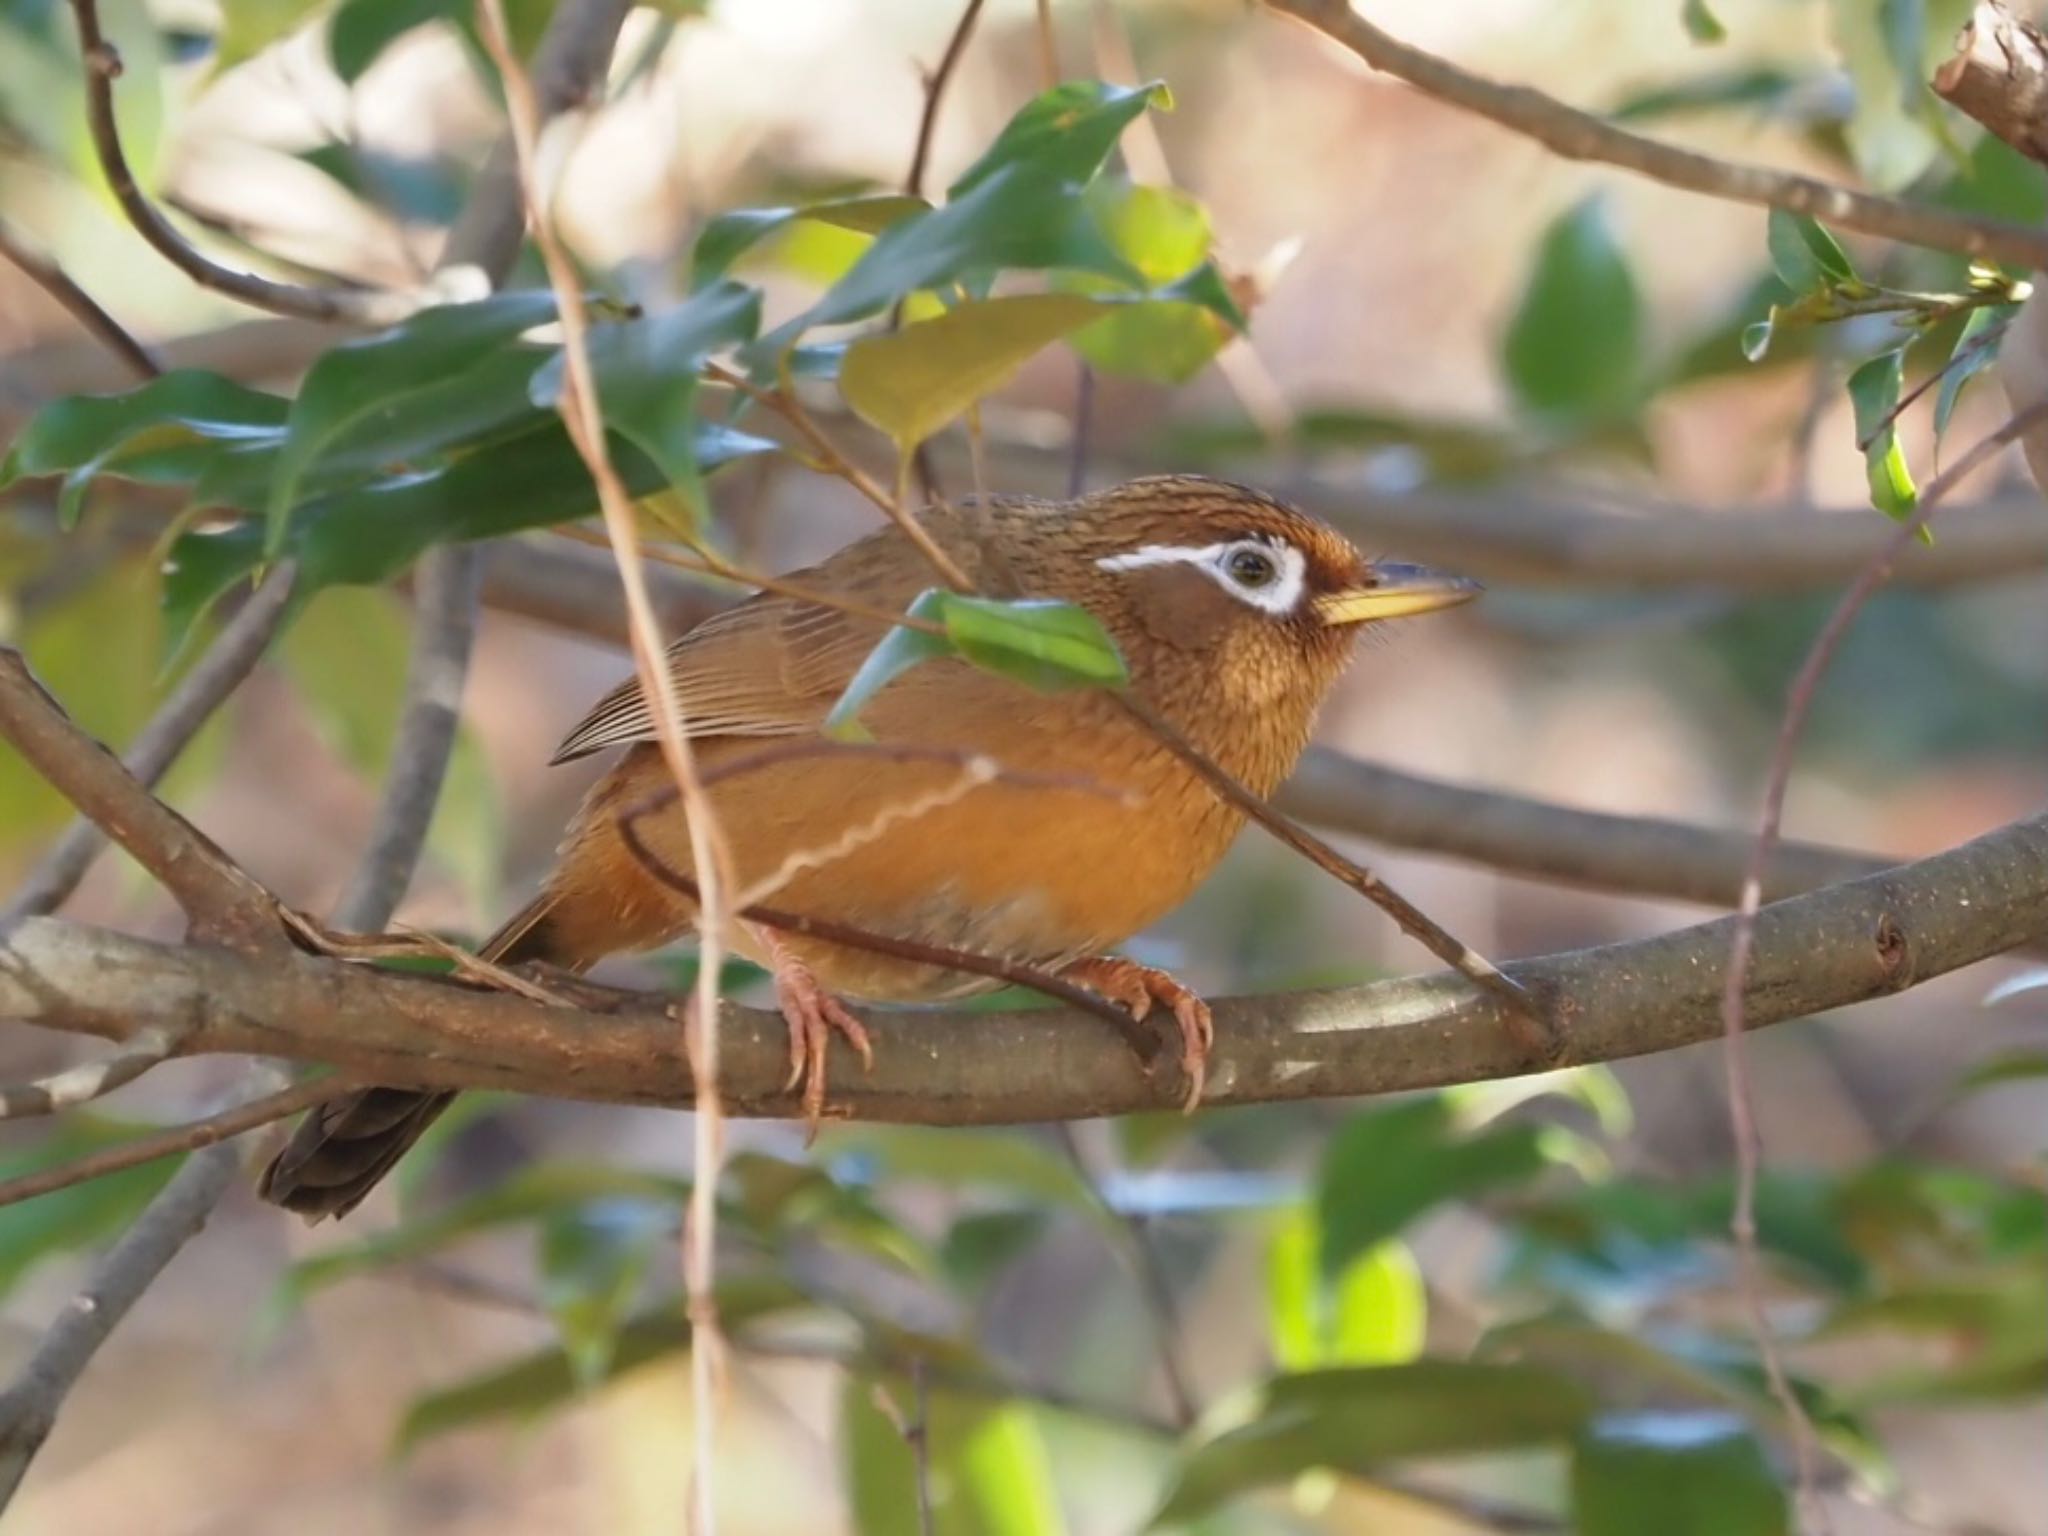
(1701,24)
(1171,335)
(1803,253)
(361,30)
(1386,1167)
(82,1215)
(1676,1475)
(729,237)
(1361,1419)
(989,1474)
(1874,394)
(365,384)
(1768,89)
(1573,349)
(1068,131)
(647,376)
(911,382)
(421,189)
(1976,349)
(1374,1313)
(1046,645)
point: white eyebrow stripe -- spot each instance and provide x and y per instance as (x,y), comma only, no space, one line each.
(1281,598)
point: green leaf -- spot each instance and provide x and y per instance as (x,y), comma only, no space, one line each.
(989,1472)
(727,238)
(2014,1066)
(1374,1313)
(82,1215)
(1573,349)
(1975,350)
(1165,235)
(1388,1166)
(362,29)
(1890,49)
(1773,91)
(1874,393)
(250,26)
(647,381)
(1046,645)
(912,382)
(1803,253)
(1010,1161)
(1701,24)
(592,1263)
(1677,1475)
(1068,130)
(365,384)
(1360,1419)
(423,189)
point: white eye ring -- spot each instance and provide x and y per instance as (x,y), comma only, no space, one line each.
(1279,593)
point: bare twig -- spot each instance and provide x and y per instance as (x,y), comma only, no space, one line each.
(189,705)
(444,630)
(102,68)
(82,306)
(1523,1016)
(584,418)
(173,1140)
(790,410)
(1892,949)
(219,899)
(1048,47)
(934,91)
(89,1080)
(1579,135)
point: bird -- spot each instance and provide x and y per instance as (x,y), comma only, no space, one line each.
(1234,614)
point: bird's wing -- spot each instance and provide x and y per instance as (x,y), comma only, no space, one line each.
(771,667)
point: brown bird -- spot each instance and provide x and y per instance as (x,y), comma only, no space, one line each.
(1234,614)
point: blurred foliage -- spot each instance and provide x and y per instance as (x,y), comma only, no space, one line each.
(1585,1367)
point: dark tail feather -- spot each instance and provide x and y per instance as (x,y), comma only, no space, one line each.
(344,1147)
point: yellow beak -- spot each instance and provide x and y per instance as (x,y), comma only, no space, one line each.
(1397,592)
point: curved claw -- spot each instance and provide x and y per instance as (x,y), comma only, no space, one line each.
(1137,987)
(812,1014)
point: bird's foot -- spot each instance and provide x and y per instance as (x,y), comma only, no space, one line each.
(812,1014)
(1138,987)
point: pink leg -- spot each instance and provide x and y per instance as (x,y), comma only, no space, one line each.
(812,1014)
(1138,987)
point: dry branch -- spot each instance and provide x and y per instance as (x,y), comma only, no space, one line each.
(1999,76)
(1863,939)
(1577,135)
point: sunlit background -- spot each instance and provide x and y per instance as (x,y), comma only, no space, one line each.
(1394,241)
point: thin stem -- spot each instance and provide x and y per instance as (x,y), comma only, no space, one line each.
(81,306)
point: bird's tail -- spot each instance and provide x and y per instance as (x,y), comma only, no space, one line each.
(345,1146)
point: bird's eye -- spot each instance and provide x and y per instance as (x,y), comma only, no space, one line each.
(1250,567)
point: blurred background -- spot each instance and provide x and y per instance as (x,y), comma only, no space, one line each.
(1395,247)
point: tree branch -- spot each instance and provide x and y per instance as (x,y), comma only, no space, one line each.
(1577,135)
(190,704)
(88,1080)
(81,306)
(1851,942)
(220,901)
(1999,76)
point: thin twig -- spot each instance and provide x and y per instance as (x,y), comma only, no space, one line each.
(81,306)
(1525,1020)
(1048,47)
(194,700)
(102,68)
(173,1140)
(1579,135)
(92,1079)
(934,90)
(835,462)
(1890,947)
(584,418)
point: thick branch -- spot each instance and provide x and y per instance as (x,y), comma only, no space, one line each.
(1579,135)
(1999,76)
(1842,945)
